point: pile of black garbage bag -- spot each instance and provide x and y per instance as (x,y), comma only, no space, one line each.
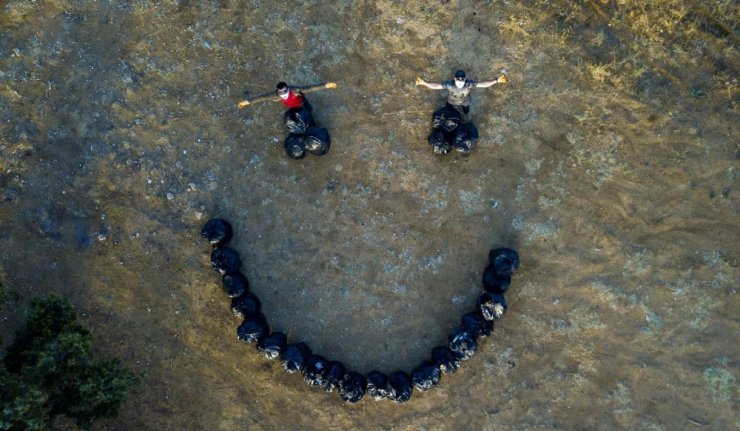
(449,132)
(332,375)
(303,135)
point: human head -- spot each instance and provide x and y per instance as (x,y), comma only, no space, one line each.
(460,78)
(282,90)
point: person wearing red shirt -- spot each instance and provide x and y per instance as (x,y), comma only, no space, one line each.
(290,99)
(290,96)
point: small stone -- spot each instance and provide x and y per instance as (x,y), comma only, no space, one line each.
(170,196)
(198,215)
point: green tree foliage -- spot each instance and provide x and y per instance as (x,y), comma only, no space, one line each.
(50,370)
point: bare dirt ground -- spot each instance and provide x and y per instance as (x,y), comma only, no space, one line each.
(609,161)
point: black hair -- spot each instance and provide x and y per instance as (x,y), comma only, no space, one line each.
(281,85)
(460,74)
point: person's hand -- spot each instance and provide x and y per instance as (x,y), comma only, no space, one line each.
(243,103)
(419,81)
(502,79)
(330,85)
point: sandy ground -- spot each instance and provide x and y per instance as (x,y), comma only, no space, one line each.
(609,161)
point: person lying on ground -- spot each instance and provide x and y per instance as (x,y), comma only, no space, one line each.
(290,96)
(458,91)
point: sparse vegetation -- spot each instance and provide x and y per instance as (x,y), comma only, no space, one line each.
(50,370)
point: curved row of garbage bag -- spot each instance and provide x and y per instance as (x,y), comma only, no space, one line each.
(333,375)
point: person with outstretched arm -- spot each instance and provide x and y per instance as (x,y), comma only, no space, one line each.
(290,96)
(303,133)
(458,91)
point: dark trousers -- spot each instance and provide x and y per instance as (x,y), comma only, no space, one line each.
(465,109)
(306,104)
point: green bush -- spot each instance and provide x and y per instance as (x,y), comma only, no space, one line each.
(50,370)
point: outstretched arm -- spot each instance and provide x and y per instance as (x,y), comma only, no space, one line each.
(432,85)
(485,84)
(272,96)
(261,98)
(317,87)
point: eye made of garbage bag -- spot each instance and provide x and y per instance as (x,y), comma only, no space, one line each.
(477,325)
(504,260)
(315,371)
(245,305)
(294,357)
(466,136)
(217,231)
(439,142)
(447,360)
(400,386)
(298,120)
(317,141)
(253,328)
(234,284)
(334,376)
(462,342)
(225,259)
(352,387)
(426,375)
(377,385)
(492,305)
(446,118)
(295,146)
(271,346)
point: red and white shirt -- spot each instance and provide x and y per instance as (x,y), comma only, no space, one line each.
(294,100)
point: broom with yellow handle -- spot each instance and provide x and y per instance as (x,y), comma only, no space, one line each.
(272,97)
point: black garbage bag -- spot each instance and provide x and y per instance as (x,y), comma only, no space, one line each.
(315,371)
(253,328)
(298,120)
(234,284)
(225,259)
(426,375)
(400,387)
(334,376)
(492,305)
(317,141)
(439,142)
(294,357)
(272,345)
(447,360)
(463,343)
(504,260)
(377,385)
(477,325)
(495,282)
(217,231)
(295,146)
(245,305)
(465,137)
(352,387)
(447,119)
